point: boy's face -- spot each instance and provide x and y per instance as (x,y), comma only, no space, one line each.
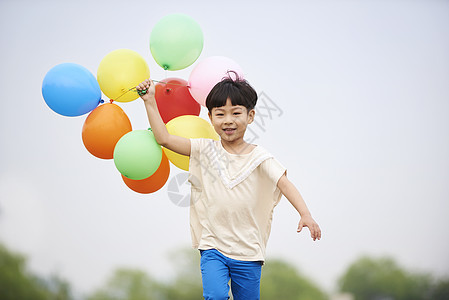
(230,121)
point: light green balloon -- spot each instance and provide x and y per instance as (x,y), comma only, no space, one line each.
(137,155)
(176,42)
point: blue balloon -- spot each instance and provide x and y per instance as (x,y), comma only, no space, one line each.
(71,90)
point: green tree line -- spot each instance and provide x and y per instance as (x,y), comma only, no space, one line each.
(366,278)
(17,282)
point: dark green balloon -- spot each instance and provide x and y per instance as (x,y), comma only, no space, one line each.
(176,42)
(137,155)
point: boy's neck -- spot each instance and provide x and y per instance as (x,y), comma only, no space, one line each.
(237,147)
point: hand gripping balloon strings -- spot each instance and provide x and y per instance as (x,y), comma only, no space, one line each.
(143,92)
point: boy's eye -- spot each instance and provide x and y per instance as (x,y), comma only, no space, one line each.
(237,113)
(219,114)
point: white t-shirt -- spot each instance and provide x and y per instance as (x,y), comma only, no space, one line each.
(232,199)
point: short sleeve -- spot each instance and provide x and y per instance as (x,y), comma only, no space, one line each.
(273,169)
(195,145)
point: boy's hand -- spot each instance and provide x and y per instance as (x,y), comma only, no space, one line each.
(149,86)
(308,221)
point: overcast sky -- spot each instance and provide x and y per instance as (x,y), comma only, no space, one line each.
(361,92)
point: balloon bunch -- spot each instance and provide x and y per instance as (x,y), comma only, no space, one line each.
(176,42)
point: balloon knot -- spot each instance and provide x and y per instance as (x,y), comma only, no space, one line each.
(165,67)
(111,100)
(101,101)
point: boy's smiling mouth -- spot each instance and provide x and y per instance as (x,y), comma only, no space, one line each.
(229,130)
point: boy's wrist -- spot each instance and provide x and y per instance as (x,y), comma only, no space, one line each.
(149,100)
(304,215)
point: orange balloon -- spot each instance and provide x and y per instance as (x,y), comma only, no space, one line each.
(152,183)
(103,127)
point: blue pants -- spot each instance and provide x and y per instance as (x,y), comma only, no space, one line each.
(217,270)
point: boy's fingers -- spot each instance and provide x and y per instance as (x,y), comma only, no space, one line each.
(317,232)
(144,85)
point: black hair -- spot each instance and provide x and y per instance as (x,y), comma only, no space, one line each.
(238,90)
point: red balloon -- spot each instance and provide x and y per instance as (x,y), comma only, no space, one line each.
(173,99)
(152,183)
(103,127)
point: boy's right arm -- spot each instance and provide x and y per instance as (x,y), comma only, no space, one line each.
(175,143)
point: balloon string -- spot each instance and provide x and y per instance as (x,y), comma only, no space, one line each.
(170,83)
(163,82)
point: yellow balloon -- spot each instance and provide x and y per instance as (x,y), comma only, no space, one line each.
(119,71)
(189,127)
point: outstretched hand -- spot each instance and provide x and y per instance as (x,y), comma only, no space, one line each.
(308,221)
(147,85)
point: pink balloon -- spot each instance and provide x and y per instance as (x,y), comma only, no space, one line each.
(208,73)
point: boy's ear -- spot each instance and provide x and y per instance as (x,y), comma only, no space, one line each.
(210,116)
(251,115)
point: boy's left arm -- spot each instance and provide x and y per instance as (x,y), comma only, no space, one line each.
(290,192)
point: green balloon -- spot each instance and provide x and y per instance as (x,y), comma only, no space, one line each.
(137,155)
(176,42)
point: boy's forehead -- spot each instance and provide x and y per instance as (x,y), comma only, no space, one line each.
(229,105)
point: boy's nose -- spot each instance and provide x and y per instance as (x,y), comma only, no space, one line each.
(229,120)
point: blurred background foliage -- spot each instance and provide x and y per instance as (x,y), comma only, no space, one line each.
(367,278)
(17,282)
(383,279)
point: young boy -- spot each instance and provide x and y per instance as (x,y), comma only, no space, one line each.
(234,189)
